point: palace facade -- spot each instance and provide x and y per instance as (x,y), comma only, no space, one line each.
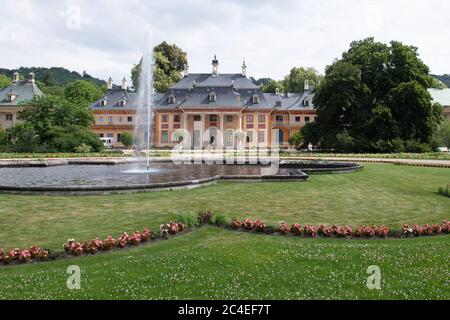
(13,97)
(209,110)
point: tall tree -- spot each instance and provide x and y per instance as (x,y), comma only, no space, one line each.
(4,81)
(169,63)
(82,91)
(295,81)
(373,97)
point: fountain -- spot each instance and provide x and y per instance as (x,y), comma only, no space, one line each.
(144,114)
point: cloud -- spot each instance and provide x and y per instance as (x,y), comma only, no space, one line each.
(273,36)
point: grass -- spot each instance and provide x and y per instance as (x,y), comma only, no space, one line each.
(218,264)
(415,156)
(378,194)
(213,263)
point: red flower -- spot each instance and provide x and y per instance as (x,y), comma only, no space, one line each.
(284,228)
(24,255)
(310,231)
(297,229)
(236,224)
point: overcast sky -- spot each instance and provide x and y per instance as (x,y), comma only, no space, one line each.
(105,37)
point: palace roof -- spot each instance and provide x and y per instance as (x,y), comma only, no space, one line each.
(22,90)
(441,96)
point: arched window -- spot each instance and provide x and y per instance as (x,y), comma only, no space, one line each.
(255,99)
(103,102)
(122,102)
(171,99)
(212,97)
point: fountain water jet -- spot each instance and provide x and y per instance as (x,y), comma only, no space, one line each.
(144,113)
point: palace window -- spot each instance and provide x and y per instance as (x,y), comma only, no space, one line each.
(255,99)
(120,119)
(164,136)
(261,136)
(197,118)
(164,118)
(176,118)
(129,119)
(110,135)
(229,118)
(229,138)
(306,102)
(212,97)
(279,118)
(110,120)
(262,118)
(103,102)
(249,118)
(306,119)
(122,102)
(171,99)
(278,103)
(249,136)
(298,119)
(9,117)
(100,119)
(212,118)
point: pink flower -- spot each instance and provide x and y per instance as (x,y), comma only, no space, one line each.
(24,255)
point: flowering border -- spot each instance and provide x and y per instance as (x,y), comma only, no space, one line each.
(73,248)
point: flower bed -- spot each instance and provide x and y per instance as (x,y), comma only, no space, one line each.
(74,248)
(23,255)
(336,231)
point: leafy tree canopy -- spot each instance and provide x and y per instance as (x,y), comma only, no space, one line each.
(295,81)
(4,81)
(169,63)
(374,97)
(82,91)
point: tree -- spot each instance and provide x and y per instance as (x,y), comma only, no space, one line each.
(4,81)
(56,125)
(295,81)
(272,85)
(126,139)
(373,98)
(169,63)
(442,134)
(296,140)
(81,91)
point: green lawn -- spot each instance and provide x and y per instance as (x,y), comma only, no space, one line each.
(214,263)
(217,264)
(378,194)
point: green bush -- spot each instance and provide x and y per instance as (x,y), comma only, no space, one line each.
(189,220)
(219,220)
(83,148)
(444,191)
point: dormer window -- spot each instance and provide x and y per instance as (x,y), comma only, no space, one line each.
(306,103)
(171,99)
(11,97)
(103,102)
(212,97)
(255,99)
(122,103)
(278,103)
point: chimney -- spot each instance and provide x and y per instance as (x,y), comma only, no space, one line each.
(186,70)
(16,77)
(307,87)
(110,83)
(244,69)
(31,77)
(124,84)
(215,64)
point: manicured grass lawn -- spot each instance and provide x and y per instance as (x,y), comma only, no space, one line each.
(380,193)
(212,263)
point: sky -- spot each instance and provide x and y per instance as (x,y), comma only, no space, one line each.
(106,37)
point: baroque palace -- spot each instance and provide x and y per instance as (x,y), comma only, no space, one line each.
(213,109)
